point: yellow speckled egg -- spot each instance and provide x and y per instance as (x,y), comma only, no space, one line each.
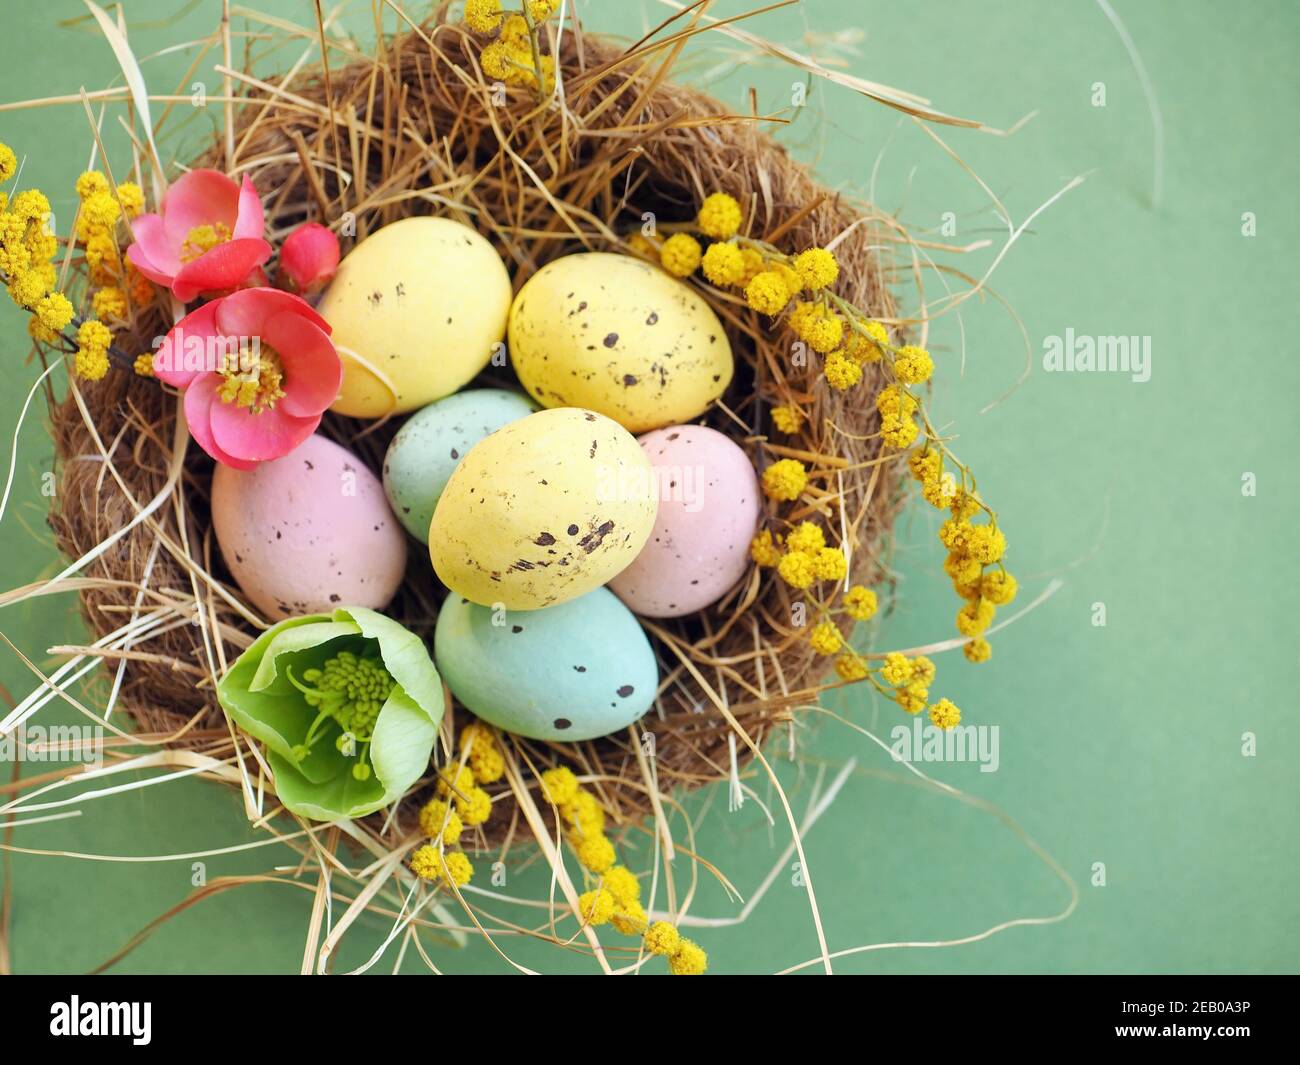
(621,337)
(543,510)
(417,309)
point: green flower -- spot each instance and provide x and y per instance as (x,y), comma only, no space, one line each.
(348,705)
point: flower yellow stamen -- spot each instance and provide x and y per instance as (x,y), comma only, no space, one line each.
(203,238)
(253,380)
(351,689)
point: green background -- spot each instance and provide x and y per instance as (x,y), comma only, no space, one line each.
(1120,744)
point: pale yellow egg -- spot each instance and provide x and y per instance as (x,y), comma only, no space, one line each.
(418,308)
(619,336)
(543,510)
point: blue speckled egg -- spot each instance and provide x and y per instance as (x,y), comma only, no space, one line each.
(573,671)
(430,445)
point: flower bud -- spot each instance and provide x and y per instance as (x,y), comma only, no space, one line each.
(308,258)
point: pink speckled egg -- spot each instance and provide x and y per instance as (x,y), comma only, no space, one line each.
(308,532)
(708,508)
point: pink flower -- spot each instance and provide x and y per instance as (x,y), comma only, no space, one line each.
(258,370)
(208,236)
(309,258)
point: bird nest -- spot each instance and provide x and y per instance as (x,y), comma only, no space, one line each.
(420,130)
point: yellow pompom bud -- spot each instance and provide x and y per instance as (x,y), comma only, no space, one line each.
(55,311)
(91,182)
(866,342)
(496,61)
(798,569)
(110,302)
(850,667)
(785,479)
(680,255)
(860,602)
(662,938)
(640,245)
(623,885)
(998,587)
(559,785)
(767,292)
(825,638)
(596,907)
(489,764)
(898,432)
(806,536)
(631,919)
(913,365)
(428,863)
(816,268)
(719,217)
(787,419)
(584,813)
(688,960)
(945,714)
(723,264)
(897,669)
(8,162)
(842,373)
(450,781)
(912,697)
(475,807)
(763,551)
(975,617)
(823,334)
(439,821)
(595,853)
(482,16)
(131,197)
(829,564)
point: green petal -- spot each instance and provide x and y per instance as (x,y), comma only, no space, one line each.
(401,744)
(342,795)
(312,631)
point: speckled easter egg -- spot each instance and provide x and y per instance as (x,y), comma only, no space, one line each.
(543,510)
(426,450)
(575,671)
(619,336)
(417,309)
(308,532)
(708,509)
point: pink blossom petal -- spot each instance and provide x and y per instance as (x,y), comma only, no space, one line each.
(245,313)
(199,198)
(251,221)
(169,361)
(313,372)
(136,258)
(152,253)
(221,267)
(200,402)
(258,437)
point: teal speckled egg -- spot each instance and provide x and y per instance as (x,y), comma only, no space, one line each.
(573,671)
(430,445)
